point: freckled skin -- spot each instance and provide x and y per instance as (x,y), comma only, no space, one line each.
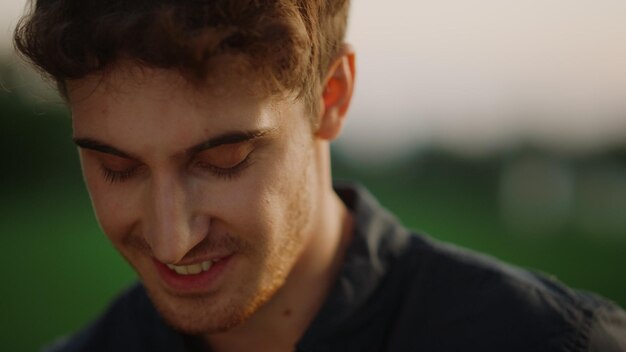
(172,210)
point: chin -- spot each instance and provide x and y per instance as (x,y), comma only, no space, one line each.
(207,314)
(195,315)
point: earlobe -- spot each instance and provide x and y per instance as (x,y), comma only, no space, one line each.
(338,88)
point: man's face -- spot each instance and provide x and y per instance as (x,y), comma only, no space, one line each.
(219,183)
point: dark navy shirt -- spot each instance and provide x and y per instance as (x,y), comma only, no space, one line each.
(401,291)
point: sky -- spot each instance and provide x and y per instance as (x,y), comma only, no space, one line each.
(478,75)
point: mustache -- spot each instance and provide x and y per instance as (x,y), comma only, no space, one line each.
(212,243)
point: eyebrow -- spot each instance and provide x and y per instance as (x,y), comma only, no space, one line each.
(93,144)
(223,139)
(230,138)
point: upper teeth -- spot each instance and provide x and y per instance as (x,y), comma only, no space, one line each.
(191,269)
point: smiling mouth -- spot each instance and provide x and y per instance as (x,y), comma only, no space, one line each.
(192,269)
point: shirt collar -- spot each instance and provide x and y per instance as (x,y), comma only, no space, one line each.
(377,240)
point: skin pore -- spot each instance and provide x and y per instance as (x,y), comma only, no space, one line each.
(180,175)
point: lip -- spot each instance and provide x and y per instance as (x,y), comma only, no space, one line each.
(203,282)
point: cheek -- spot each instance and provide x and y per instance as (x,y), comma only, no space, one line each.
(113,208)
(259,202)
(247,206)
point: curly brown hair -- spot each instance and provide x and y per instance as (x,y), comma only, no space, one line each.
(288,43)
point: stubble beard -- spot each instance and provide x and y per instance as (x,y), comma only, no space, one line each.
(200,315)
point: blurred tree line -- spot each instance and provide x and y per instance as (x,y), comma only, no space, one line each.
(36,136)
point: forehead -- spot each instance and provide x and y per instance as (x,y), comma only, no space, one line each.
(126,76)
(135,106)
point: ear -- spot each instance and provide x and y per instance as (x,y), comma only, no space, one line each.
(338,88)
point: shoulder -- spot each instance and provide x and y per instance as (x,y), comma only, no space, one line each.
(450,291)
(130,323)
(407,292)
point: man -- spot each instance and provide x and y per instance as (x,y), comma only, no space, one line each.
(204,130)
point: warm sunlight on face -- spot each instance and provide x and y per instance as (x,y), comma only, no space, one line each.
(208,195)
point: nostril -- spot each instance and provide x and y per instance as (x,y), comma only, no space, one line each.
(170,248)
(172,223)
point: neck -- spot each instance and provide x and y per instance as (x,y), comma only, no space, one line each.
(282,321)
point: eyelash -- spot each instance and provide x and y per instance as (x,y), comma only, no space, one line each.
(117,176)
(112,176)
(226,173)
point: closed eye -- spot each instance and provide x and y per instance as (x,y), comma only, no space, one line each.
(116,168)
(113,176)
(225,160)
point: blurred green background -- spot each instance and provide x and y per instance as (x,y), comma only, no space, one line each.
(563,215)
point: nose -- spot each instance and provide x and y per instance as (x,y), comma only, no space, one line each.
(171,227)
